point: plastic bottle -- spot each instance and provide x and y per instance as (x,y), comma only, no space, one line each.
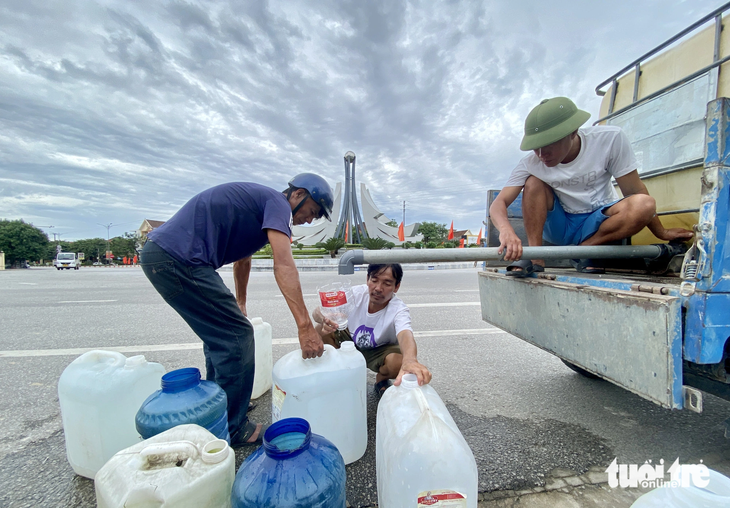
(99,393)
(421,457)
(715,495)
(264,357)
(293,469)
(184,467)
(184,399)
(336,302)
(328,392)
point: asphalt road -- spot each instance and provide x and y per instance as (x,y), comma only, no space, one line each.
(522,411)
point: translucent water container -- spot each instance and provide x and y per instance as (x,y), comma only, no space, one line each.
(328,392)
(183,399)
(184,467)
(421,457)
(100,392)
(264,358)
(336,302)
(716,494)
(293,469)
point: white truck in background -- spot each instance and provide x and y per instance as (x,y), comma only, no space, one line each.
(66,260)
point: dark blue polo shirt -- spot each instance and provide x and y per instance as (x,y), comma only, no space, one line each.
(224,224)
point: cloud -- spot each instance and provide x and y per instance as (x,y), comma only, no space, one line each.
(133,107)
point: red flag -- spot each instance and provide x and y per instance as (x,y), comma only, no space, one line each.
(461,243)
(479,239)
(451,232)
(347,231)
(401,233)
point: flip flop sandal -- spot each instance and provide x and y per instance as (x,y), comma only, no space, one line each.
(523,268)
(249,431)
(594,266)
(381,386)
(251,406)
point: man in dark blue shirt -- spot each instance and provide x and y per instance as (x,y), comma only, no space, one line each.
(227,224)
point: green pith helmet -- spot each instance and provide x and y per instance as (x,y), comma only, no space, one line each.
(551,121)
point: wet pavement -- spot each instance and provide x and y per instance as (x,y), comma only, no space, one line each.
(541,434)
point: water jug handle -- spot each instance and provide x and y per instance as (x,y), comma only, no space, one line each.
(99,355)
(169,452)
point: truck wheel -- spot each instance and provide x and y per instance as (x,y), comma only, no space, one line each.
(58,268)
(580,371)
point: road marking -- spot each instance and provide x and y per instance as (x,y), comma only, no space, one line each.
(450,304)
(187,346)
(28,283)
(88,301)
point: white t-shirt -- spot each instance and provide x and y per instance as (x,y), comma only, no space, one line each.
(378,329)
(584,184)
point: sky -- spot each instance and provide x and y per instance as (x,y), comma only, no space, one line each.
(112,112)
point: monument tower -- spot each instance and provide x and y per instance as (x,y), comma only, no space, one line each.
(350,226)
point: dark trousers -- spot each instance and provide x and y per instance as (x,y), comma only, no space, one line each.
(199,295)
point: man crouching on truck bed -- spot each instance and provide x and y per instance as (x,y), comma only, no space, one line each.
(568,197)
(380,325)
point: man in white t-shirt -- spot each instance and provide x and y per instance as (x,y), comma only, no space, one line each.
(380,325)
(568,195)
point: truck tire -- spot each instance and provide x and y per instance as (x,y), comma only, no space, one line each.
(579,370)
(58,268)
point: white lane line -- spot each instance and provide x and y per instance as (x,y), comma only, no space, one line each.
(450,304)
(88,301)
(186,346)
(28,283)
(465,290)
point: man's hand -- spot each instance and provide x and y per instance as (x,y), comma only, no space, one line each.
(510,244)
(328,326)
(311,343)
(675,234)
(413,367)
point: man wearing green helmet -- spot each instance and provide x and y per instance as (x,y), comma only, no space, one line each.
(568,195)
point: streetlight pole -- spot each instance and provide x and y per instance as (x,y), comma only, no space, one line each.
(108,227)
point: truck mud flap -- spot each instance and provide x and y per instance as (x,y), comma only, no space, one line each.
(632,339)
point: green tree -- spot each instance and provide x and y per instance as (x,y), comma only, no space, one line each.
(433,232)
(374,243)
(20,241)
(392,223)
(125,245)
(93,248)
(332,245)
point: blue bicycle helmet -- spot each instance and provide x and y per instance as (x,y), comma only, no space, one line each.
(319,190)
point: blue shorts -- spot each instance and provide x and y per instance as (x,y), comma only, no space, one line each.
(563,228)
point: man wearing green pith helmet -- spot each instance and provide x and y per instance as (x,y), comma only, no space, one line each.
(569,198)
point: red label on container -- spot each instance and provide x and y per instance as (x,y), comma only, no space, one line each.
(441,498)
(332,298)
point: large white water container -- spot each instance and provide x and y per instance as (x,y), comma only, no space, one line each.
(716,494)
(421,457)
(328,392)
(264,358)
(183,467)
(100,393)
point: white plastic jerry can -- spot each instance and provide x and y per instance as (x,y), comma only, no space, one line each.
(183,467)
(100,393)
(328,392)
(264,358)
(421,457)
(715,494)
